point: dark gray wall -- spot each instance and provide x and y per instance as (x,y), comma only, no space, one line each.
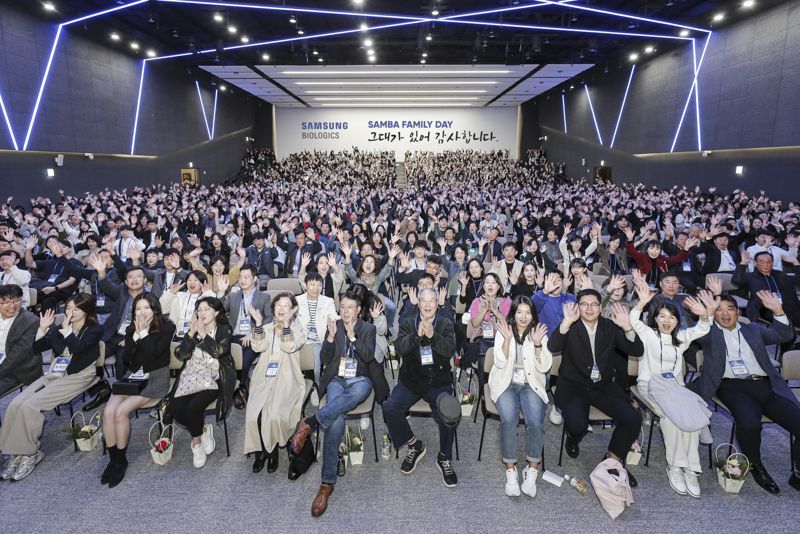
(749,92)
(90,98)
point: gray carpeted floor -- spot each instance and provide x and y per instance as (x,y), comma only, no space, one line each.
(64,492)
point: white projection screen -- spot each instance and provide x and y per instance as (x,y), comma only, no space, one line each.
(401,129)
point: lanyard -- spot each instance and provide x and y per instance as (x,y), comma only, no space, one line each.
(188,308)
(661,366)
(769,287)
(418,318)
(652,276)
(478,288)
(739,338)
(244,305)
(612,261)
(60,271)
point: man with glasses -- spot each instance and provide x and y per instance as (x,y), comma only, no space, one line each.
(589,344)
(19,364)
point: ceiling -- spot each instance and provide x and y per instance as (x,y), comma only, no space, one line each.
(396,85)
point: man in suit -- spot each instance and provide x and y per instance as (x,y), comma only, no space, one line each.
(721,257)
(303,244)
(588,344)
(151,235)
(262,259)
(19,364)
(425,344)
(350,374)
(765,278)
(238,305)
(737,368)
(163,279)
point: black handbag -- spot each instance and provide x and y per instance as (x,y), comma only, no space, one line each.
(125,386)
(299,463)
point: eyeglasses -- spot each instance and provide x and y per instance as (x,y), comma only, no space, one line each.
(589,305)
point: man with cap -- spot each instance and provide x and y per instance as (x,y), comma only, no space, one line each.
(425,344)
(262,259)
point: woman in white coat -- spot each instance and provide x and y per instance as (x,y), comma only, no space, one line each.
(180,305)
(518,381)
(276,386)
(664,345)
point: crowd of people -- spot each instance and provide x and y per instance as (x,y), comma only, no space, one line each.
(559,283)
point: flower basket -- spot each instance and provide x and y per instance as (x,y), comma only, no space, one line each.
(467,401)
(731,470)
(161,448)
(86,436)
(355,445)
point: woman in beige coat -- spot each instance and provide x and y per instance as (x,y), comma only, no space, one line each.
(276,386)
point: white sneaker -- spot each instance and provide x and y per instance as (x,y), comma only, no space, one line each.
(676,481)
(512,482)
(314,398)
(705,436)
(589,428)
(555,416)
(11,467)
(207,439)
(26,465)
(198,455)
(365,423)
(529,476)
(692,484)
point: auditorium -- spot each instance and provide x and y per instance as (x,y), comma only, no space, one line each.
(482,265)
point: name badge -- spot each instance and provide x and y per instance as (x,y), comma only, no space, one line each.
(244,326)
(487,329)
(687,266)
(2,356)
(312,333)
(185,326)
(101,301)
(669,375)
(595,376)
(52,279)
(347,368)
(426,355)
(519,375)
(778,296)
(139,375)
(272,369)
(59,365)
(508,287)
(739,368)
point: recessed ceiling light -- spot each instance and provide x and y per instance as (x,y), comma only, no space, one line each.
(358,2)
(435,12)
(367,42)
(293,19)
(633,57)
(151,53)
(245,39)
(320,60)
(218,17)
(363,26)
(371,58)
(422,61)
(429,37)
(114,36)
(718,17)
(135,45)
(424,54)
(223,87)
(315,52)
(232,29)
(748,3)
(265,57)
(48,6)
(649,50)
(684,33)
(370,52)
(300,31)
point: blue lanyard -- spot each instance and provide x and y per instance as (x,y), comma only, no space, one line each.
(769,287)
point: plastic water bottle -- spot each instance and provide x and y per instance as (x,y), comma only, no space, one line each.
(577,485)
(386,450)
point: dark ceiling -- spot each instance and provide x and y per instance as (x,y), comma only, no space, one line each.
(177,28)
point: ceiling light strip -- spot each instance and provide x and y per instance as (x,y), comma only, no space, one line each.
(394,98)
(8,123)
(564,111)
(214,115)
(594,117)
(622,106)
(691,92)
(138,106)
(397,105)
(426,82)
(373,71)
(396,91)
(203,108)
(41,88)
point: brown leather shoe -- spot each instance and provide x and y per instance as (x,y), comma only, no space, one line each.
(300,435)
(320,503)
(238,399)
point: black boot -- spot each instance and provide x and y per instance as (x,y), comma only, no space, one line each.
(272,460)
(118,472)
(112,456)
(258,464)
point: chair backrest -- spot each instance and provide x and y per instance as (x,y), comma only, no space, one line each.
(744,320)
(791,365)
(101,360)
(555,366)
(725,278)
(633,366)
(174,362)
(307,358)
(274,293)
(596,266)
(598,280)
(33,296)
(59,319)
(488,363)
(291,285)
(236,354)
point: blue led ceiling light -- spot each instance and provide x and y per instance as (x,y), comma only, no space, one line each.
(214,115)
(138,105)
(689,98)
(594,117)
(564,111)
(622,106)
(8,123)
(203,109)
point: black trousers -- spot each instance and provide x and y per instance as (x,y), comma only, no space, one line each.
(189,410)
(55,298)
(748,400)
(610,398)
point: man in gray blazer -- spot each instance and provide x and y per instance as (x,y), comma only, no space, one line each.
(237,306)
(161,279)
(19,364)
(737,369)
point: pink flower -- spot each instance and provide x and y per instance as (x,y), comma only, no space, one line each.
(733,470)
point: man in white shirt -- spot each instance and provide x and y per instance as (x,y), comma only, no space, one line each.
(125,241)
(764,242)
(11,274)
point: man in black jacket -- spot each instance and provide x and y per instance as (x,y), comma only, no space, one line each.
(765,278)
(425,344)
(303,244)
(351,374)
(19,364)
(588,345)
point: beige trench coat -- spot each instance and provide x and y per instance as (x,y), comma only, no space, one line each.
(279,399)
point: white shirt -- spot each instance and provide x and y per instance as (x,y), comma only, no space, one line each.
(737,348)
(5,326)
(17,276)
(777,255)
(726,263)
(592,331)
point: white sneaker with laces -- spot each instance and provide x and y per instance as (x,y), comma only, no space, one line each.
(676,481)
(207,439)
(555,416)
(512,482)
(26,465)
(198,455)
(314,398)
(10,467)
(692,484)
(529,476)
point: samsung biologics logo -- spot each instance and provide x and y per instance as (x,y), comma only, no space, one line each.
(322,129)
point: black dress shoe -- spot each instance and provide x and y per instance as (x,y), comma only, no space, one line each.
(794,480)
(763,479)
(101,397)
(261,459)
(571,445)
(272,461)
(631,479)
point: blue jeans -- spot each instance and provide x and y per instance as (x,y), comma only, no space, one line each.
(341,397)
(533,408)
(400,401)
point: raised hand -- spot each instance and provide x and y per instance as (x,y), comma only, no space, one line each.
(770,301)
(222,283)
(331,329)
(571,312)
(709,300)
(695,306)
(620,316)
(463,278)
(629,235)
(177,286)
(714,284)
(305,259)
(745,258)
(412,296)
(255,315)
(46,319)
(377,309)
(691,242)
(551,283)
(645,294)
(394,251)
(505,330)
(97,263)
(538,333)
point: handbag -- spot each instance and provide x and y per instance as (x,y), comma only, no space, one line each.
(161,448)
(199,374)
(300,463)
(126,386)
(612,488)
